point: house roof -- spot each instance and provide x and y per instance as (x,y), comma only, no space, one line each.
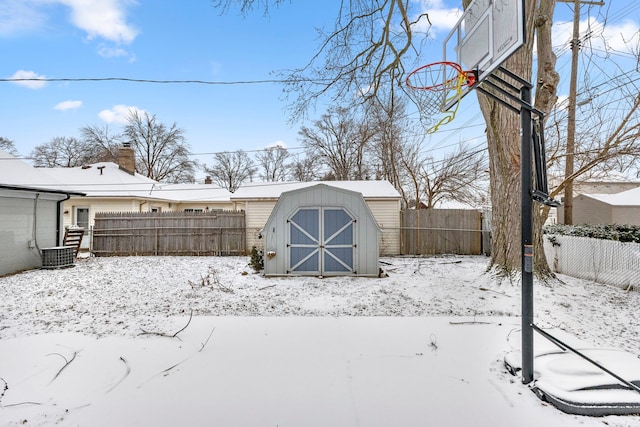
(192,192)
(273,190)
(17,174)
(106,179)
(624,198)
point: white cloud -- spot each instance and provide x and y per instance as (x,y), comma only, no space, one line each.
(68,105)
(441,18)
(115,52)
(620,37)
(31,84)
(105,19)
(280,144)
(102,18)
(118,113)
(19,16)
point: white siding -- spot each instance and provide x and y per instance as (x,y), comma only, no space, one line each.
(17,229)
(256,215)
(227,206)
(387,215)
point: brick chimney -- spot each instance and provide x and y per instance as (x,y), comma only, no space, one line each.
(207,180)
(127,159)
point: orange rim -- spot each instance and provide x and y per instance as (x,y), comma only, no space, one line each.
(469,76)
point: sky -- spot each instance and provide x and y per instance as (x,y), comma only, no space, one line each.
(192,40)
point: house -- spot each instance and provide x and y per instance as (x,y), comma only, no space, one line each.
(30,215)
(321,230)
(259,199)
(618,208)
(111,187)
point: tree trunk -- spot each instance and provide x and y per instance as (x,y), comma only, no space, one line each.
(503,139)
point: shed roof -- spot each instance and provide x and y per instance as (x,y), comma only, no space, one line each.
(624,198)
(272,190)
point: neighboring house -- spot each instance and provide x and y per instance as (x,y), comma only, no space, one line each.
(321,230)
(30,215)
(618,208)
(259,199)
(110,187)
(613,183)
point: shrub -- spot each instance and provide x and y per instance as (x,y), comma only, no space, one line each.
(618,232)
(257,260)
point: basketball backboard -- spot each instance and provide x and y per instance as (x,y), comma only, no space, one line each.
(486,34)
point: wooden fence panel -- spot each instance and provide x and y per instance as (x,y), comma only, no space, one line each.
(169,233)
(441,231)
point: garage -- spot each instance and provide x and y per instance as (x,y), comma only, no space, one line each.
(321,231)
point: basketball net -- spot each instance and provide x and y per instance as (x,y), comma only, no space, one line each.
(435,85)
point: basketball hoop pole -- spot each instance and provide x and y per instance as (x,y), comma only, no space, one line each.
(526,225)
(522,105)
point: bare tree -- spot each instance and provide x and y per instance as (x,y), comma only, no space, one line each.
(8,146)
(63,152)
(394,142)
(605,141)
(230,170)
(305,169)
(105,143)
(340,138)
(161,153)
(364,52)
(273,162)
(460,176)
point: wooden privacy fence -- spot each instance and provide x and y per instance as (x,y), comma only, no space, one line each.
(169,233)
(441,231)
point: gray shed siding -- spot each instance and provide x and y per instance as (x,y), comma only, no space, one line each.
(17,228)
(587,210)
(365,229)
(625,215)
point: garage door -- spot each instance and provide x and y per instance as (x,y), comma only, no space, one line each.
(321,241)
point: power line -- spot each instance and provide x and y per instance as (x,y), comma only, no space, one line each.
(158,81)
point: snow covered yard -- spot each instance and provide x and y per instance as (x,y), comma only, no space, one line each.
(423,346)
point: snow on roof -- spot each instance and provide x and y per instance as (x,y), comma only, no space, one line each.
(16,172)
(272,190)
(106,179)
(102,179)
(192,192)
(624,198)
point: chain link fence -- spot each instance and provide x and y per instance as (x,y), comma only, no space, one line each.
(602,261)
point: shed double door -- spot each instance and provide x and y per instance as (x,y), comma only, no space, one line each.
(321,241)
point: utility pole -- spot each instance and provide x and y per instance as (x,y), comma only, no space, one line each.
(571,116)
(571,112)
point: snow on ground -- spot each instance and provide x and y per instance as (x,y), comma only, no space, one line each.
(423,346)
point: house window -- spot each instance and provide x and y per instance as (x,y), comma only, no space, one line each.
(82,217)
(193,210)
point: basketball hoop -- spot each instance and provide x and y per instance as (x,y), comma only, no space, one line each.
(435,85)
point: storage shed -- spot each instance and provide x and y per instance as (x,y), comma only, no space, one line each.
(321,230)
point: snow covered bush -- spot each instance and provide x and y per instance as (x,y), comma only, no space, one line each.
(617,232)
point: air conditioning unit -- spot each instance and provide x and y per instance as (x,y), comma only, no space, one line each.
(58,257)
